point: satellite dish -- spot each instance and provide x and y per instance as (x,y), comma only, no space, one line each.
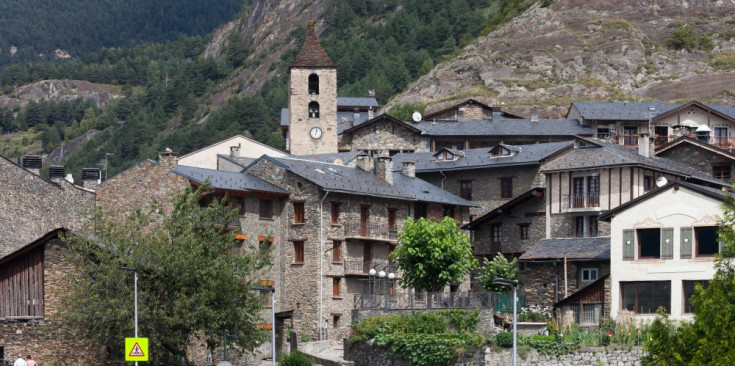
(416,116)
(661,181)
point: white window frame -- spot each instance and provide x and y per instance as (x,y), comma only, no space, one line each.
(589,272)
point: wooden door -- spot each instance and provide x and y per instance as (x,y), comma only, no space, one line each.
(367,256)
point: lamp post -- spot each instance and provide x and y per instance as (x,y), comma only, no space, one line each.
(514,284)
(135,297)
(272,289)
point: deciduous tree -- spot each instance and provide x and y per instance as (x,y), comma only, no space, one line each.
(499,267)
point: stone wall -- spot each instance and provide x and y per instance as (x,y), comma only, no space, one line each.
(47,339)
(367,354)
(540,280)
(697,158)
(31,206)
(486,184)
(530,213)
(383,135)
(298,106)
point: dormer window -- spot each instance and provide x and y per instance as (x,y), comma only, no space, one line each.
(313,110)
(501,150)
(313,84)
(445,154)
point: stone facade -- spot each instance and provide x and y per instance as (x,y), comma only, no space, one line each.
(543,283)
(486,184)
(46,338)
(300,142)
(698,158)
(385,136)
(529,214)
(31,206)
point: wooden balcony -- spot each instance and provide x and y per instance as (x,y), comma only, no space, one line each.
(360,230)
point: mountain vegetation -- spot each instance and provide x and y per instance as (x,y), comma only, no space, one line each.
(37,28)
(168,88)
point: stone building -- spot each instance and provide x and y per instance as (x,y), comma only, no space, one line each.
(706,157)
(32,206)
(33,280)
(466,110)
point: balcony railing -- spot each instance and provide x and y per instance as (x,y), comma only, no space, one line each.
(581,200)
(579,233)
(724,142)
(369,230)
(362,267)
(630,140)
(432,300)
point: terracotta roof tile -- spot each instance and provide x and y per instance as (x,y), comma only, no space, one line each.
(312,54)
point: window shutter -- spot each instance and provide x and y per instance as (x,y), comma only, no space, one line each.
(686,242)
(667,243)
(628,244)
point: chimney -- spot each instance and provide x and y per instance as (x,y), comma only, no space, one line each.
(168,159)
(363,162)
(90,178)
(355,116)
(703,133)
(235,151)
(409,169)
(496,114)
(384,169)
(57,173)
(460,115)
(370,113)
(534,114)
(32,163)
(644,145)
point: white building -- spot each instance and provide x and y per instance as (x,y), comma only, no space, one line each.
(662,244)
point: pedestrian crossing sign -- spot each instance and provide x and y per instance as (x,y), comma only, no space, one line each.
(136,349)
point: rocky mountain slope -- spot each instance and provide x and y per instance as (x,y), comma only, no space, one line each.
(60,90)
(591,50)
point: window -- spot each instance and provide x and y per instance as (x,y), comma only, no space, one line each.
(336,251)
(465,189)
(335,321)
(647,183)
(506,187)
(298,251)
(649,243)
(524,230)
(448,211)
(721,136)
(335,213)
(499,151)
(298,212)
(721,171)
(592,228)
(419,210)
(496,236)
(266,209)
(589,274)
(239,204)
(706,241)
(313,84)
(689,287)
(579,227)
(335,287)
(391,219)
(645,297)
(313,110)
(266,241)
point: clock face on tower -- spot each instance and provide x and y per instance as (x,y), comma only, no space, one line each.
(315,132)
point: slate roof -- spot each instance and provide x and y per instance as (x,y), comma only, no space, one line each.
(481,158)
(505,127)
(692,141)
(18,252)
(345,157)
(534,193)
(364,102)
(382,117)
(219,179)
(621,111)
(604,154)
(709,191)
(431,115)
(339,178)
(577,249)
(312,54)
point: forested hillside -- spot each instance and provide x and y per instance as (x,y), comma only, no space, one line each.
(168,88)
(79,27)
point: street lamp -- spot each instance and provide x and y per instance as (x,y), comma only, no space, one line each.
(272,289)
(135,299)
(514,284)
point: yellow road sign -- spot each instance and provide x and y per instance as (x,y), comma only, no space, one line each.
(136,349)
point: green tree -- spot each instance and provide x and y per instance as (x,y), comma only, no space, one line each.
(499,267)
(432,254)
(709,339)
(191,283)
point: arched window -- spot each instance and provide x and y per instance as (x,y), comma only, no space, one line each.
(313,84)
(313,110)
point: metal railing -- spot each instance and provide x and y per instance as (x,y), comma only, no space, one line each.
(434,300)
(579,233)
(358,229)
(582,200)
(358,266)
(630,140)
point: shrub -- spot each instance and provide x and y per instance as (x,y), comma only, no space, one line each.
(504,339)
(424,323)
(295,358)
(685,37)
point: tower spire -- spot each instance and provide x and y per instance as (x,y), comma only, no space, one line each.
(312,54)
